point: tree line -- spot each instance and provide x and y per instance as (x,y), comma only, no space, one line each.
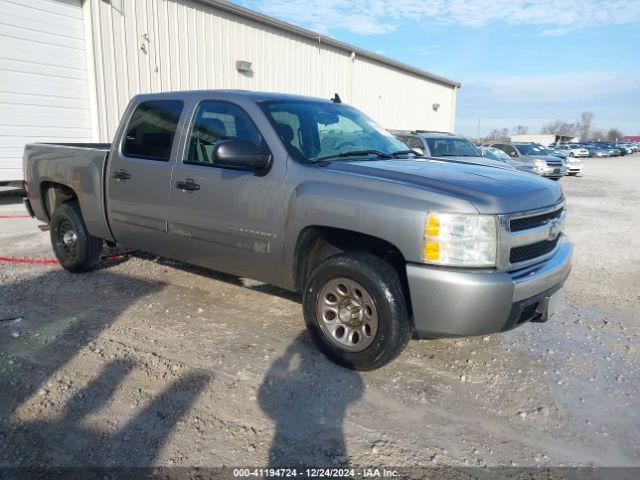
(582,128)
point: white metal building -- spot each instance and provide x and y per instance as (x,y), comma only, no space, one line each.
(69,67)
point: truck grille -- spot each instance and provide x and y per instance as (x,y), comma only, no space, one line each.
(519,224)
(531,237)
(533,250)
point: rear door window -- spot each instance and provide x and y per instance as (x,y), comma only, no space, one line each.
(152,129)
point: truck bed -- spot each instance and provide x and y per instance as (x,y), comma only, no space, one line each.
(91,146)
(78,166)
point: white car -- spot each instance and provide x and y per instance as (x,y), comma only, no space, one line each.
(574,166)
(573,150)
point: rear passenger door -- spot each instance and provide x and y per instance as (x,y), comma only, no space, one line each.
(139,176)
(225,219)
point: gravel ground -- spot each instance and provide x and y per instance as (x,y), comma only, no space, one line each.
(149,362)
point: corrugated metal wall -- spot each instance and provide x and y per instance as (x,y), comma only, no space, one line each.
(44,86)
(146,46)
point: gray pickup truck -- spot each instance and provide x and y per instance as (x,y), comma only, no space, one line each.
(313,196)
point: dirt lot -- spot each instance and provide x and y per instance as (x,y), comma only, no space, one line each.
(148,362)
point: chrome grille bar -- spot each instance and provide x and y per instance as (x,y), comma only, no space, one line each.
(552,229)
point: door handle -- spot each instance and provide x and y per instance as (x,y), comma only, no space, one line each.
(187,186)
(121,175)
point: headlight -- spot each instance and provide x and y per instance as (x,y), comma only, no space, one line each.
(539,165)
(460,240)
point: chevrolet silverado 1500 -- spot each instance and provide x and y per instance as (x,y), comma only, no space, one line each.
(313,196)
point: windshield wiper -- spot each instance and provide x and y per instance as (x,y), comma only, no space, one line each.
(452,155)
(405,152)
(355,153)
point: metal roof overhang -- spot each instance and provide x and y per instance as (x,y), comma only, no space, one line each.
(303,32)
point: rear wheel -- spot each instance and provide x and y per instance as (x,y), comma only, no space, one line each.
(76,249)
(355,311)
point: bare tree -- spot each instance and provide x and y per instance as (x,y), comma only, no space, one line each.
(597,134)
(498,134)
(520,129)
(584,125)
(560,127)
(614,134)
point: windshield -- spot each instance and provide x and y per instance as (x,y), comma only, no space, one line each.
(527,149)
(452,147)
(312,131)
(497,154)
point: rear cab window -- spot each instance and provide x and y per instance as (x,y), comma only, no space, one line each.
(152,129)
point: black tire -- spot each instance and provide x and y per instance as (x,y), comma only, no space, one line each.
(383,285)
(81,255)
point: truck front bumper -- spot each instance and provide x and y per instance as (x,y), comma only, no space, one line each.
(553,172)
(450,302)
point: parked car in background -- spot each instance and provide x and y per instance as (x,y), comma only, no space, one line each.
(628,149)
(635,146)
(544,165)
(499,156)
(596,151)
(573,150)
(574,166)
(612,149)
(315,197)
(446,146)
(552,151)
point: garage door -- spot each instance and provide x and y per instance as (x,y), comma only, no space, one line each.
(44,88)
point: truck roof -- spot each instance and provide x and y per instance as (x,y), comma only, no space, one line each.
(232,93)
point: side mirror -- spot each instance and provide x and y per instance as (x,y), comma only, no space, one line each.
(513,154)
(241,155)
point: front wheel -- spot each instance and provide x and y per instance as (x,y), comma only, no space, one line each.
(355,311)
(76,249)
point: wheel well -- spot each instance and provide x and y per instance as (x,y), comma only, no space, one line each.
(317,243)
(55,194)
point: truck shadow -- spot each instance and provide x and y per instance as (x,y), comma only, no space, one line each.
(307,397)
(43,418)
(223,277)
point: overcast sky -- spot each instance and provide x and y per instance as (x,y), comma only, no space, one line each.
(519,61)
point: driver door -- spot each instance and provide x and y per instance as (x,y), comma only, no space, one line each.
(225,219)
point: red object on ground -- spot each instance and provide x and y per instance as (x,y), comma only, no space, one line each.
(49,261)
(42,261)
(53,261)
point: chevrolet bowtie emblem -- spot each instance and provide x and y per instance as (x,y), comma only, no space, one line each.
(555,229)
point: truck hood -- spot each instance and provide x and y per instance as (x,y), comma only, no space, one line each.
(490,190)
(476,161)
